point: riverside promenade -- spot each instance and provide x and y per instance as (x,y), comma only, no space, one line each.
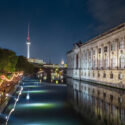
(7,89)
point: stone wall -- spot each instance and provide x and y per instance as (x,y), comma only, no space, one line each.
(101,59)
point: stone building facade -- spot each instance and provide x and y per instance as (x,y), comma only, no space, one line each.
(101,59)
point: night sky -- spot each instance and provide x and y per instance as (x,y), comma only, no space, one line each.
(55,24)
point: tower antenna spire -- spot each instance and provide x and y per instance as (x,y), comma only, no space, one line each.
(28,37)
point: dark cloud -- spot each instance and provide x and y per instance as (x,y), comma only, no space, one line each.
(107,12)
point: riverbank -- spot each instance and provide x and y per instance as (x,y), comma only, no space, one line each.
(7,89)
(113,85)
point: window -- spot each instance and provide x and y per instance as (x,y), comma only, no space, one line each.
(121,44)
(99,50)
(89,54)
(111,75)
(111,97)
(113,46)
(98,74)
(105,49)
(98,92)
(104,75)
(122,61)
(120,99)
(104,94)
(119,76)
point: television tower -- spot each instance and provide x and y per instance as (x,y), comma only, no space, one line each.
(28,43)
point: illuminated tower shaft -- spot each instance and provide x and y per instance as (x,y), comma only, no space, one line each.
(28,44)
(28,50)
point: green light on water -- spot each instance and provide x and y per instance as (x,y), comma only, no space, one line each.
(38,106)
(30,86)
(35,91)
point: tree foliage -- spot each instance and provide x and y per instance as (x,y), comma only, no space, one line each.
(10,62)
(24,65)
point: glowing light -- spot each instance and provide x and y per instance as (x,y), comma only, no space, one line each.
(62,62)
(4,78)
(28,96)
(36,91)
(40,105)
(44,77)
(6,117)
(30,86)
(57,82)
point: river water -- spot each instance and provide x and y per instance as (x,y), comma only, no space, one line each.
(100,105)
(41,103)
(44,103)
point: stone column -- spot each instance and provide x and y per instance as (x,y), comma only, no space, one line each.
(92,57)
(96,57)
(117,51)
(80,67)
(109,50)
(87,59)
(102,56)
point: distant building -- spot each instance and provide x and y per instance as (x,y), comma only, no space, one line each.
(36,61)
(51,65)
(101,59)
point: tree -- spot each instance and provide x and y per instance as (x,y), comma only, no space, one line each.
(8,60)
(24,65)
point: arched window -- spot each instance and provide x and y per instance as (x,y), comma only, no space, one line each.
(111,75)
(122,61)
(121,44)
(119,76)
(104,75)
(98,74)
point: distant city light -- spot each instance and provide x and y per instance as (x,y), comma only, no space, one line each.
(62,62)
(57,82)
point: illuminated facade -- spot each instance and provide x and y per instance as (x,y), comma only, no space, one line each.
(101,59)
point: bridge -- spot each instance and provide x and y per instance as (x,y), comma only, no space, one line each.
(51,72)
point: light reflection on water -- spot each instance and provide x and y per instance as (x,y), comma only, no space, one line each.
(47,105)
(103,104)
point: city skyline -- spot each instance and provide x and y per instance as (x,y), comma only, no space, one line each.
(55,25)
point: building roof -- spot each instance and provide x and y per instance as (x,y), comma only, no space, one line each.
(105,33)
(79,44)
